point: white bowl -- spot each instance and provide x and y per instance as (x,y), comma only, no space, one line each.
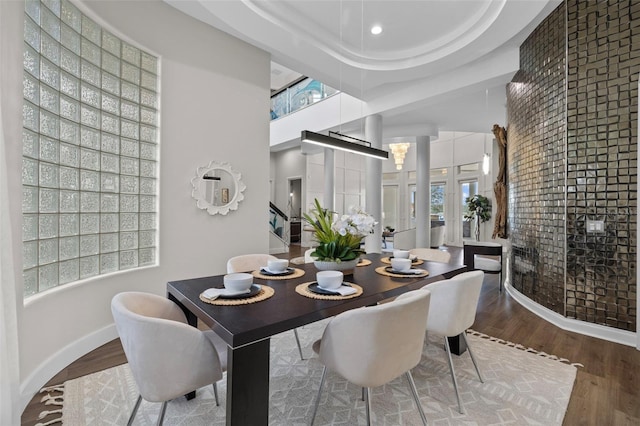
(401,254)
(238,282)
(401,264)
(330,280)
(277,265)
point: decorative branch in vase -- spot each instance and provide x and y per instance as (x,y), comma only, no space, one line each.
(478,209)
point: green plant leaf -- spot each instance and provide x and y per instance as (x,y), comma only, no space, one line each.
(478,205)
(331,245)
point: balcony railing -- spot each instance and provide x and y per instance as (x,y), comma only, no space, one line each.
(277,219)
(298,95)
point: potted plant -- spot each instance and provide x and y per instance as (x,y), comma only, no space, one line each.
(339,238)
(478,208)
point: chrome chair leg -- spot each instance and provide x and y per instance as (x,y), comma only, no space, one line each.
(215,393)
(163,409)
(367,404)
(315,407)
(135,410)
(473,359)
(414,391)
(453,375)
(295,333)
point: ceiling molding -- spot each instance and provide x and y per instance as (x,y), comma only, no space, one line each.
(437,61)
(462,31)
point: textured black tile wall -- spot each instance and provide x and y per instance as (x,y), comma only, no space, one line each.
(580,162)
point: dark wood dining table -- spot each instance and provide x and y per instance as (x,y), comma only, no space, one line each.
(247,328)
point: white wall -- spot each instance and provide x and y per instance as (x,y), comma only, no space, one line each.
(328,113)
(214,106)
(349,185)
(349,188)
(286,164)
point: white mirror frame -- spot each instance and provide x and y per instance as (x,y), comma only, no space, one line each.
(234,199)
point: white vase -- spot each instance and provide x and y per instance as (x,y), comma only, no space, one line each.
(346,267)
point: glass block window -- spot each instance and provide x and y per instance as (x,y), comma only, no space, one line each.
(90,136)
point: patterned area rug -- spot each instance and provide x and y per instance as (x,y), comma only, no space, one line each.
(521,387)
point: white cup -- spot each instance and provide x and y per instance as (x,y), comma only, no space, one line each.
(238,282)
(277,265)
(401,254)
(400,264)
(330,280)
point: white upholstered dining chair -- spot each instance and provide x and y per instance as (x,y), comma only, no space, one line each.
(168,358)
(248,262)
(453,310)
(307,255)
(373,345)
(431,254)
(252,262)
(437,236)
(484,256)
(405,239)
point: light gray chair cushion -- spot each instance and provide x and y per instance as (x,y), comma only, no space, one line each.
(168,357)
(483,255)
(431,254)
(248,262)
(487,264)
(372,346)
(454,303)
(405,239)
(453,310)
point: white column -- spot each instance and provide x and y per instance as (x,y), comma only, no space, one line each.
(373,182)
(423,189)
(329,175)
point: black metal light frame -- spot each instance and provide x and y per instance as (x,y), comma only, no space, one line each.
(360,147)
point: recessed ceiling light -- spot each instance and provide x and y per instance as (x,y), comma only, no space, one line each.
(376,29)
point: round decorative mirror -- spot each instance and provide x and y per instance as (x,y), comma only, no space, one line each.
(217,188)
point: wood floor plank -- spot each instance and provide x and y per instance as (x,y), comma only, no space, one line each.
(606,391)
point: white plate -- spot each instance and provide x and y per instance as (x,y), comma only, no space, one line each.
(224,293)
(344,289)
(266,268)
(331,289)
(412,271)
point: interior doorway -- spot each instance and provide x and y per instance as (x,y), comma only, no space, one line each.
(294,207)
(295,198)
(468,188)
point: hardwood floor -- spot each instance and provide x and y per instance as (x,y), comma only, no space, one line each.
(607,388)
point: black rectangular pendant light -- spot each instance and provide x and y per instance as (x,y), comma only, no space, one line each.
(342,144)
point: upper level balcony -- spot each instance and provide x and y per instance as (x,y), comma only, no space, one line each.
(299,94)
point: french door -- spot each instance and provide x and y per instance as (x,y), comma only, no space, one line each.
(390,207)
(468,188)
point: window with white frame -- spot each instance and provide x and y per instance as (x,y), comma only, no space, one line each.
(90,135)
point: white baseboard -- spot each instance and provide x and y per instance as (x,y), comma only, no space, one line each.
(589,329)
(61,359)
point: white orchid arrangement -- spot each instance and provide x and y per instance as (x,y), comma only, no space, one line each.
(339,240)
(357,222)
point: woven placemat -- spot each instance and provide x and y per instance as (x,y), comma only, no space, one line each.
(364,262)
(265,293)
(297,273)
(381,270)
(303,289)
(416,262)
